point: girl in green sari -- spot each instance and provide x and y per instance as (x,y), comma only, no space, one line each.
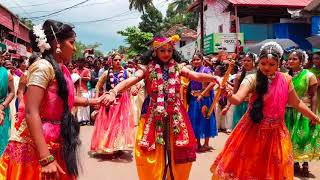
(316,71)
(6,96)
(305,136)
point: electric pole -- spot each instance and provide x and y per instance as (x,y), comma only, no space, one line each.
(201,8)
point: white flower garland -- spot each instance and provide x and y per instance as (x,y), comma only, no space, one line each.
(41,38)
(273,44)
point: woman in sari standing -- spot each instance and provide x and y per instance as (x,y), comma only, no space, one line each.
(46,141)
(165,144)
(260,145)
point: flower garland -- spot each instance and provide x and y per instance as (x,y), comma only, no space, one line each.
(120,76)
(159,111)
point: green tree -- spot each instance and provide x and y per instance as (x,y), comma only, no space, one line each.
(136,39)
(152,20)
(177,13)
(139,5)
(122,49)
(80,47)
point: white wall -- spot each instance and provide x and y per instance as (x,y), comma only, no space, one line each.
(214,17)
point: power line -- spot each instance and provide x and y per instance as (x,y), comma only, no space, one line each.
(86,5)
(40,4)
(59,11)
(108,18)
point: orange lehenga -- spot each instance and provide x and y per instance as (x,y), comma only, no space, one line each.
(150,160)
(20,159)
(259,151)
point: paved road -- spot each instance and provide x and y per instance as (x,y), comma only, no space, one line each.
(98,169)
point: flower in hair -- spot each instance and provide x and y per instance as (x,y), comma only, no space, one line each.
(273,45)
(306,57)
(41,38)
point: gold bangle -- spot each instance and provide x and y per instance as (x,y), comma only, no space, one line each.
(114,92)
(47,160)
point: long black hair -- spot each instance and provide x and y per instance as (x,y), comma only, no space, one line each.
(300,54)
(256,112)
(69,126)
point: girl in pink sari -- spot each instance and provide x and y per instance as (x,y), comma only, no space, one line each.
(260,145)
(114,125)
(46,140)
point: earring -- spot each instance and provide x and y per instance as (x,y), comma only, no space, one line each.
(58,50)
(154,54)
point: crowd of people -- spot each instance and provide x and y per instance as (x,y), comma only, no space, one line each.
(267,103)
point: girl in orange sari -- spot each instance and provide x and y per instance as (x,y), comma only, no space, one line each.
(260,145)
(165,143)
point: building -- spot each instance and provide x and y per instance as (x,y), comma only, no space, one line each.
(257,20)
(14,35)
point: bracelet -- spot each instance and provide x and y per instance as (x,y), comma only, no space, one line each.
(317,120)
(114,92)
(47,160)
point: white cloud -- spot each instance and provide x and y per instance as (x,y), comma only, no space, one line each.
(104,32)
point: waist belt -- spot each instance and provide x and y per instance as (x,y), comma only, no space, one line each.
(55,122)
(197,93)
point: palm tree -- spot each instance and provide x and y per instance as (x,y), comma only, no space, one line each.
(140,5)
(181,6)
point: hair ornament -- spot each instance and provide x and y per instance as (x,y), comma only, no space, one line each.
(58,50)
(41,38)
(160,41)
(273,45)
(306,57)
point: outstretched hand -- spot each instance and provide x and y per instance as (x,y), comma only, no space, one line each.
(108,99)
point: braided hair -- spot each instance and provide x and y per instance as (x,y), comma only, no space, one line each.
(69,126)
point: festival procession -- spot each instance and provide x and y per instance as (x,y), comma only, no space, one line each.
(159,89)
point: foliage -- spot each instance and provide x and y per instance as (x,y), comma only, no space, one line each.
(152,20)
(139,5)
(80,47)
(136,39)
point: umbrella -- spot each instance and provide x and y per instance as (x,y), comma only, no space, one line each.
(286,44)
(315,41)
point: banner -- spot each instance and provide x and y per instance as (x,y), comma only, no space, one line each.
(216,42)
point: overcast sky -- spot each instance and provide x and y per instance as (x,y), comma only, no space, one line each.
(104,32)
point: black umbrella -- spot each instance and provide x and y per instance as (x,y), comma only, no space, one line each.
(286,44)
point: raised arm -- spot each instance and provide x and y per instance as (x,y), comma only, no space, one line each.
(122,86)
(237,98)
(201,77)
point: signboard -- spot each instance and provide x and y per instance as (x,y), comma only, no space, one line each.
(227,41)
(10,45)
(315,25)
(21,50)
(208,44)
(216,42)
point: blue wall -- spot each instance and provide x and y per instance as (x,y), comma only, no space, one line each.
(256,32)
(295,31)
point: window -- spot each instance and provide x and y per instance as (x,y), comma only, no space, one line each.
(182,43)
